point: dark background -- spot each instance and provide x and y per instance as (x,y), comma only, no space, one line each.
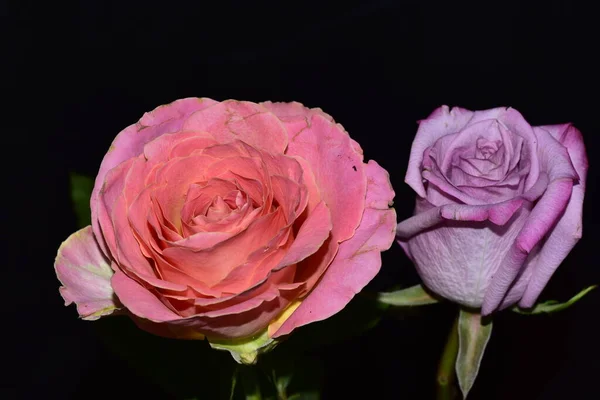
(79,72)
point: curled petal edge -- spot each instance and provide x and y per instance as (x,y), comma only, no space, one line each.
(85,276)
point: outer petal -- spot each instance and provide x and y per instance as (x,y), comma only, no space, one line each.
(340,176)
(85,274)
(498,213)
(464,275)
(248,312)
(294,115)
(139,300)
(567,231)
(130,142)
(358,259)
(241,120)
(555,161)
(483,232)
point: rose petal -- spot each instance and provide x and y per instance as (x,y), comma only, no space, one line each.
(246,318)
(130,142)
(212,265)
(555,161)
(440,122)
(110,192)
(313,232)
(294,116)
(339,174)
(248,312)
(498,213)
(358,259)
(292,111)
(567,231)
(258,267)
(139,300)
(129,254)
(181,144)
(192,144)
(240,120)
(85,275)
(515,122)
(489,130)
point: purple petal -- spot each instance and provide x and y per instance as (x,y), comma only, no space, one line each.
(441,122)
(569,227)
(498,213)
(555,161)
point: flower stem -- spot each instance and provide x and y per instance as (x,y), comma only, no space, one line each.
(249,380)
(445,374)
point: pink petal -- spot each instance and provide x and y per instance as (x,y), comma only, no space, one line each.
(188,146)
(257,267)
(130,142)
(338,170)
(140,301)
(246,313)
(294,115)
(85,275)
(212,265)
(293,110)
(111,190)
(129,255)
(178,144)
(567,231)
(335,162)
(241,120)
(555,161)
(290,195)
(358,259)
(245,318)
(313,232)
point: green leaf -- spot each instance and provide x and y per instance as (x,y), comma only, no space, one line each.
(412,296)
(473,337)
(81,191)
(552,306)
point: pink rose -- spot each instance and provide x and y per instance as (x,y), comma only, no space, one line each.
(499,205)
(223,219)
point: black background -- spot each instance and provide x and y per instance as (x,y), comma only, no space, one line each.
(79,72)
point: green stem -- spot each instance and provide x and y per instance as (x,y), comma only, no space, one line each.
(445,374)
(249,381)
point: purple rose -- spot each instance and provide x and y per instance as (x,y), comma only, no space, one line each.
(499,205)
